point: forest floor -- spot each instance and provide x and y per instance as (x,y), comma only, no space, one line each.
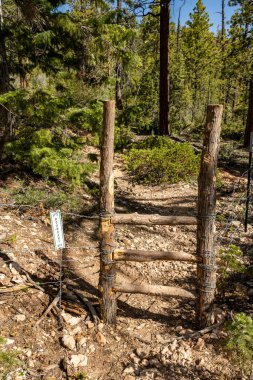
(154,336)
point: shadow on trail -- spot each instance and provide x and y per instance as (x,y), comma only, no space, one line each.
(174,208)
(50,283)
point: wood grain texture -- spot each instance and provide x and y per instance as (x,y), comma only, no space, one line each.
(158,290)
(150,220)
(107,242)
(145,256)
(206,271)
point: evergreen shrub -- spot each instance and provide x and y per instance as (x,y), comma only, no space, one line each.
(159,160)
(49,155)
(239,341)
(47,137)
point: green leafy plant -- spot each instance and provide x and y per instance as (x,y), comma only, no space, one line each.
(230,263)
(81,376)
(231,260)
(2,340)
(50,155)
(123,137)
(239,341)
(160,160)
(8,360)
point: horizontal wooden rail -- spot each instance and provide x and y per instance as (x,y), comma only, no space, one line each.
(150,220)
(158,290)
(144,256)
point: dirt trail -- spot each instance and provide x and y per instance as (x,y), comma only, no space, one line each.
(149,340)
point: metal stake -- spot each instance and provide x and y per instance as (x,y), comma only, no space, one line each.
(248,197)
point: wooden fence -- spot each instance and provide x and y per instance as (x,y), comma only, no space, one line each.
(205,254)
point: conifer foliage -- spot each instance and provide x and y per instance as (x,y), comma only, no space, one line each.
(56,67)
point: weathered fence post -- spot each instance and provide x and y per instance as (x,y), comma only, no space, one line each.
(206,271)
(107,244)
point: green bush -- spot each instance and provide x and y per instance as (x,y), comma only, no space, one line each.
(49,155)
(123,137)
(239,340)
(88,118)
(160,160)
(231,260)
(46,132)
(229,264)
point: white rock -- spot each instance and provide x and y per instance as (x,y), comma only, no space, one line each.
(90,325)
(128,370)
(13,270)
(70,320)
(9,341)
(100,327)
(19,317)
(82,342)
(76,330)
(28,353)
(3,236)
(69,342)
(79,360)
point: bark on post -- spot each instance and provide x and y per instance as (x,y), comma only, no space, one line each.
(155,219)
(107,244)
(145,256)
(206,271)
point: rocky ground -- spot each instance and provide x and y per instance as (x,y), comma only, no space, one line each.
(155,337)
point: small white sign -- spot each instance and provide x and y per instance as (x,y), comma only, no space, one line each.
(57,227)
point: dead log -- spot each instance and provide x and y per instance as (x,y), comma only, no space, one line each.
(144,256)
(157,290)
(206,272)
(150,220)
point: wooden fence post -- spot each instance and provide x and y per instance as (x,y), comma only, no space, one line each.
(206,272)
(107,243)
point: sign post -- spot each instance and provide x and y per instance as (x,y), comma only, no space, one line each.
(57,227)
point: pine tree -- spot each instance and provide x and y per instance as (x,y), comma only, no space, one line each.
(242,36)
(199,51)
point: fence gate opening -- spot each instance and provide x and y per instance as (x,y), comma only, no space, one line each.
(205,251)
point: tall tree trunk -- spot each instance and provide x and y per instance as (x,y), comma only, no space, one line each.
(164,67)
(4,84)
(178,30)
(249,124)
(223,30)
(119,69)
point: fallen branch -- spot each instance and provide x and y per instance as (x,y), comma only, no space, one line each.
(87,303)
(15,288)
(49,308)
(23,271)
(202,332)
